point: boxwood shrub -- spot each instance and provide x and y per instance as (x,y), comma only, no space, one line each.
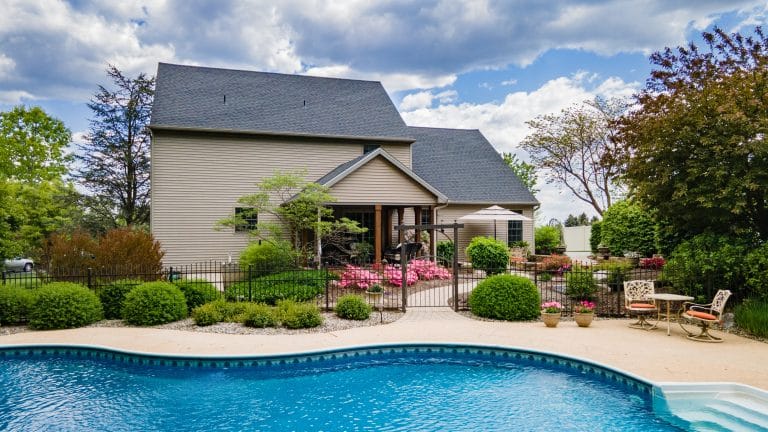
(259,316)
(113,295)
(15,304)
(298,315)
(197,292)
(488,254)
(269,257)
(153,303)
(207,314)
(506,297)
(61,305)
(353,307)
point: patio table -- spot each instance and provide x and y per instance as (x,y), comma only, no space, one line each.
(668,298)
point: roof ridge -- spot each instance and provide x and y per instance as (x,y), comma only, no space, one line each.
(270,73)
(444,128)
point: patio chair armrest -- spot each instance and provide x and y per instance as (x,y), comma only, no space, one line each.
(700,307)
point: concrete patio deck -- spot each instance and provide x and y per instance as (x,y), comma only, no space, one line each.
(649,354)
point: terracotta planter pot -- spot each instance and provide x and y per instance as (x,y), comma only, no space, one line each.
(583,319)
(550,319)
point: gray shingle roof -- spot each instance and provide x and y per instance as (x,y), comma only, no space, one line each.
(223,99)
(465,167)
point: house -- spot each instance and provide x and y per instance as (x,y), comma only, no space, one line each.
(218,132)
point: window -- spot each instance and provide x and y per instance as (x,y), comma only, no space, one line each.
(426,215)
(247,219)
(514,231)
(367,148)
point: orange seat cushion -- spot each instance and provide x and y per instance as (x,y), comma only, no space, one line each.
(702,315)
(642,306)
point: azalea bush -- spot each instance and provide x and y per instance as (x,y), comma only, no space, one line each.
(429,270)
(358,277)
(551,307)
(654,263)
(394,276)
(556,262)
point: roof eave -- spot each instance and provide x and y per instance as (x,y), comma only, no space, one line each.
(160,127)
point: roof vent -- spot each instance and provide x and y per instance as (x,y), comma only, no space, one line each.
(225,99)
(305,103)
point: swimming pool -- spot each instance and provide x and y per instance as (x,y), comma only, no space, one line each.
(392,387)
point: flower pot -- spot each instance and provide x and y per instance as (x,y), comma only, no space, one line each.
(550,319)
(583,319)
(374,297)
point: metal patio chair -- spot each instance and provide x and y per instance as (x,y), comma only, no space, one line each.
(704,316)
(636,302)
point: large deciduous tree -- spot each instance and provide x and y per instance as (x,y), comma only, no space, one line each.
(575,149)
(32,145)
(696,146)
(114,161)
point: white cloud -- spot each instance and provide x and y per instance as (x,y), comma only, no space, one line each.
(509,82)
(418,100)
(393,82)
(503,123)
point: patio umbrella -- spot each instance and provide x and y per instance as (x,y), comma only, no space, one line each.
(494,213)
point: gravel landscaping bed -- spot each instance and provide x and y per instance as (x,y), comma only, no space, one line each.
(331,323)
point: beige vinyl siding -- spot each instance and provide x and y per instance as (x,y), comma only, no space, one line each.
(401,152)
(196,180)
(473,229)
(380,182)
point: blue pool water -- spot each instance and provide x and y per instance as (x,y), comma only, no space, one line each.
(404,388)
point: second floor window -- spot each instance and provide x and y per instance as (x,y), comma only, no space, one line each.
(247,219)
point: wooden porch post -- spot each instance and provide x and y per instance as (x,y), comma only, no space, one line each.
(377,234)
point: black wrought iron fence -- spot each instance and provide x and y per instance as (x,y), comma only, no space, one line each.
(323,286)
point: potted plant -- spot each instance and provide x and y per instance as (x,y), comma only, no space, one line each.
(374,292)
(603,250)
(585,312)
(550,313)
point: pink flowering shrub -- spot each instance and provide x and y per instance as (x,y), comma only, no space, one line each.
(394,276)
(429,270)
(357,277)
(652,263)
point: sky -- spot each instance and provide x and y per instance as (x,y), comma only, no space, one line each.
(487,65)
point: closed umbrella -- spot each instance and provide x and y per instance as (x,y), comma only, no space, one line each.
(494,213)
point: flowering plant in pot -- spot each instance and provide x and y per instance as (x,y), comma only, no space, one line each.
(585,312)
(550,313)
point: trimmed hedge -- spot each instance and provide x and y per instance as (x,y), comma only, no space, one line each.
(113,295)
(298,285)
(154,303)
(506,297)
(353,307)
(62,305)
(259,316)
(207,314)
(197,292)
(15,305)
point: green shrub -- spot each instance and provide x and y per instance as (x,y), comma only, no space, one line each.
(545,276)
(298,285)
(617,274)
(113,295)
(61,305)
(506,297)
(197,292)
(353,307)
(488,254)
(207,314)
(580,285)
(299,315)
(699,265)
(752,317)
(756,271)
(15,305)
(153,303)
(268,258)
(259,316)
(445,253)
(547,238)
(595,236)
(627,227)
